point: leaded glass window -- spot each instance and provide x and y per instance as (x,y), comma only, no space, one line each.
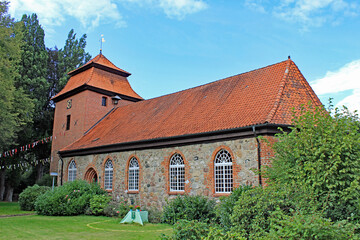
(223,172)
(72,171)
(109,170)
(134,175)
(177,173)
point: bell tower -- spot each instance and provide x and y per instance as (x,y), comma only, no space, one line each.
(92,92)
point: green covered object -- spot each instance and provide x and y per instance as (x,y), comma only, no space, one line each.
(136,217)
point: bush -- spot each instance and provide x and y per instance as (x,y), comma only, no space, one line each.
(218,233)
(322,152)
(189,208)
(226,206)
(73,198)
(307,226)
(98,203)
(28,197)
(154,215)
(251,214)
(184,230)
(114,209)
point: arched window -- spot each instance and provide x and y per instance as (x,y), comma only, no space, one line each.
(177,173)
(223,172)
(72,171)
(133,175)
(108,175)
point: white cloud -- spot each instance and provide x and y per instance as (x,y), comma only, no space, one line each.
(309,13)
(54,12)
(180,8)
(173,8)
(91,13)
(344,79)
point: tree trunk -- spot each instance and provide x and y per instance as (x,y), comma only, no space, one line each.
(9,193)
(39,171)
(2,184)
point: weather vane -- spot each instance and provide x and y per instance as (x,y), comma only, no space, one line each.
(101,42)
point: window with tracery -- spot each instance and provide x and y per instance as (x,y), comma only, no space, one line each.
(223,172)
(133,175)
(177,173)
(109,171)
(72,171)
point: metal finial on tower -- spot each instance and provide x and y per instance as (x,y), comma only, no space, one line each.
(101,42)
(289,57)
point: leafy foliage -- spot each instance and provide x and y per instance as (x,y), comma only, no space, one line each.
(189,208)
(28,197)
(251,214)
(307,226)
(73,198)
(226,206)
(185,229)
(15,106)
(98,203)
(322,152)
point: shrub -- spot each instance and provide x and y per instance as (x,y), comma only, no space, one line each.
(28,197)
(218,233)
(98,203)
(322,152)
(189,208)
(226,206)
(252,211)
(72,198)
(184,230)
(114,209)
(154,215)
(307,226)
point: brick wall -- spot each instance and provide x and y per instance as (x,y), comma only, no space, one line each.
(86,110)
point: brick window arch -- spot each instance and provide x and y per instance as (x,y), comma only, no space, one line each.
(108,178)
(133,174)
(223,172)
(72,171)
(177,173)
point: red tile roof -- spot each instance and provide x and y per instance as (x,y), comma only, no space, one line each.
(265,95)
(100,73)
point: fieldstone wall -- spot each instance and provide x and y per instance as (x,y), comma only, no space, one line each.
(154,170)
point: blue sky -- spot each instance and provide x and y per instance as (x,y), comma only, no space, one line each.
(171,45)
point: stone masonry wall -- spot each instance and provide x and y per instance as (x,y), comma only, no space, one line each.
(154,170)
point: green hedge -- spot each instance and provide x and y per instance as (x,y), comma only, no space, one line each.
(73,198)
(189,208)
(28,197)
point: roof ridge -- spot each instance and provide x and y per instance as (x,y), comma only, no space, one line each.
(90,76)
(281,90)
(306,84)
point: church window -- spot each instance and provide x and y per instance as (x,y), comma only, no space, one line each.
(103,102)
(109,169)
(177,173)
(68,122)
(72,171)
(134,175)
(223,172)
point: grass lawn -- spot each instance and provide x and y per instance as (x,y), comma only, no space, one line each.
(11,208)
(75,227)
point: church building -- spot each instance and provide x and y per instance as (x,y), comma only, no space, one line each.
(199,141)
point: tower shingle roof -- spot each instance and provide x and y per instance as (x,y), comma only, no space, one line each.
(98,73)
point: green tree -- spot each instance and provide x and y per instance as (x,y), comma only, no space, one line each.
(322,152)
(72,56)
(15,106)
